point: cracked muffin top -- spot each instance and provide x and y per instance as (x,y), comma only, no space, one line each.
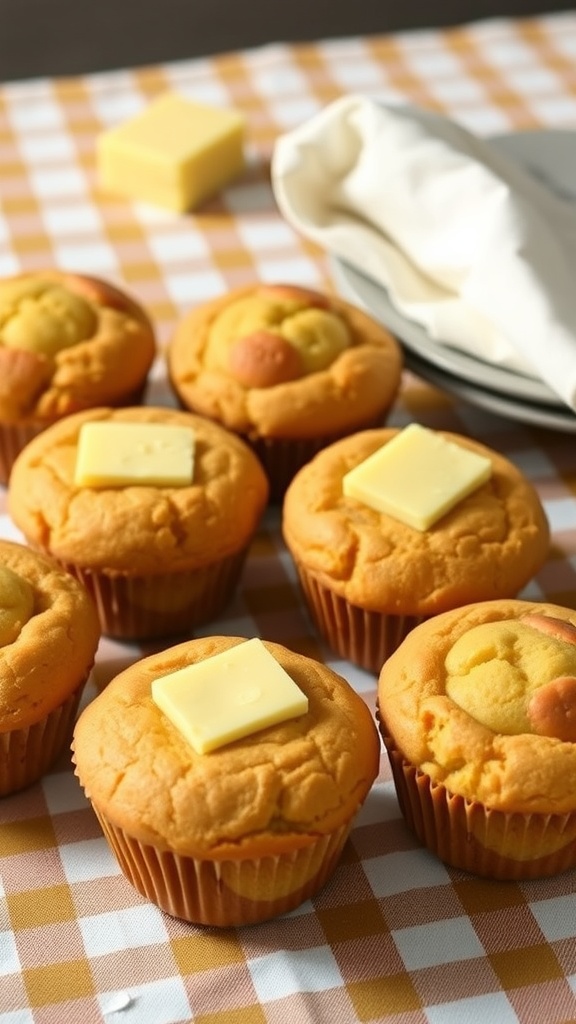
(488,546)
(137,527)
(283,361)
(483,700)
(49,633)
(265,794)
(68,342)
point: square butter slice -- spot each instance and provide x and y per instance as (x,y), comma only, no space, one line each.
(417,477)
(121,454)
(176,153)
(228,696)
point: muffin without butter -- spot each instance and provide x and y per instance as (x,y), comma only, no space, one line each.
(67,342)
(286,368)
(247,831)
(48,638)
(368,577)
(158,559)
(477,709)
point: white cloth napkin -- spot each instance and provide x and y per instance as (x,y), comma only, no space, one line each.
(465,241)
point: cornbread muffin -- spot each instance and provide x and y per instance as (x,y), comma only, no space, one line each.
(369,578)
(158,560)
(67,342)
(478,711)
(48,638)
(245,832)
(287,368)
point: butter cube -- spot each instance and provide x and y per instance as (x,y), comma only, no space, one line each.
(122,454)
(231,695)
(175,154)
(417,477)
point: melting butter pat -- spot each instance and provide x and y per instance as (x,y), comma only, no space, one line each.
(121,454)
(228,696)
(417,477)
(174,154)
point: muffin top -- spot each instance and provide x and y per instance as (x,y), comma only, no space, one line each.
(283,361)
(49,633)
(138,528)
(68,342)
(489,545)
(483,700)
(274,790)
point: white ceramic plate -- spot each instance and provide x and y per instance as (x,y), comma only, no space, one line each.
(551,156)
(561,418)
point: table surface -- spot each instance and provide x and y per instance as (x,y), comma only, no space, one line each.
(394,936)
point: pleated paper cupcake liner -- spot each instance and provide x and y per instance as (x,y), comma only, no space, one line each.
(363,637)
(465,834)
(26,754)
(132,607)
(225,893)
(13,438)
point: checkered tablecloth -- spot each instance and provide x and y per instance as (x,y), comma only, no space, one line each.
(395,936)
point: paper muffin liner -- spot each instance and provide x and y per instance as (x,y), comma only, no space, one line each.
(465,834)
(144,607)
(281,458)
(225,893)
(363,637)
(27,754)
(15,436)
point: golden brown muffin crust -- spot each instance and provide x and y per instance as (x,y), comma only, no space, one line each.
(344,368)
(457,698)
(68,342)
(488,546)
(47,643)
(138,529)
(267,793)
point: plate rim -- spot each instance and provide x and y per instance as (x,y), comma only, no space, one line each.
(499,404)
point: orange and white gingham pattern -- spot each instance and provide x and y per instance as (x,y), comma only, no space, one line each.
(395,936)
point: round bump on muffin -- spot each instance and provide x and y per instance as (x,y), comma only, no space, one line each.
(263,359)
(319,335)
(43,316)
(556,628)
(255,327)
(552,709)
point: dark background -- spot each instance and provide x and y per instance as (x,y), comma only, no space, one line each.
(67,37)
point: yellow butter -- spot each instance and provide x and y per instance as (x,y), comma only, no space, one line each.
(123,454)
(231,695)
(417,477)
(175,154)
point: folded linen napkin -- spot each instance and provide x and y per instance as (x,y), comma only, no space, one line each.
(465,241)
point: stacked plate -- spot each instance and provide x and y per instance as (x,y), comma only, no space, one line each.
(551,156)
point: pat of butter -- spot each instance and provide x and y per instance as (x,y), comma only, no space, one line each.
(417,477)
(174,154)
(231,695)
(123,454)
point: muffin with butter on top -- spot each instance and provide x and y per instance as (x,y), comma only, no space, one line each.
(49,634)
(477,708)
(153,509)
(287,368)
(67,342)
(223,802)
(389,527)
